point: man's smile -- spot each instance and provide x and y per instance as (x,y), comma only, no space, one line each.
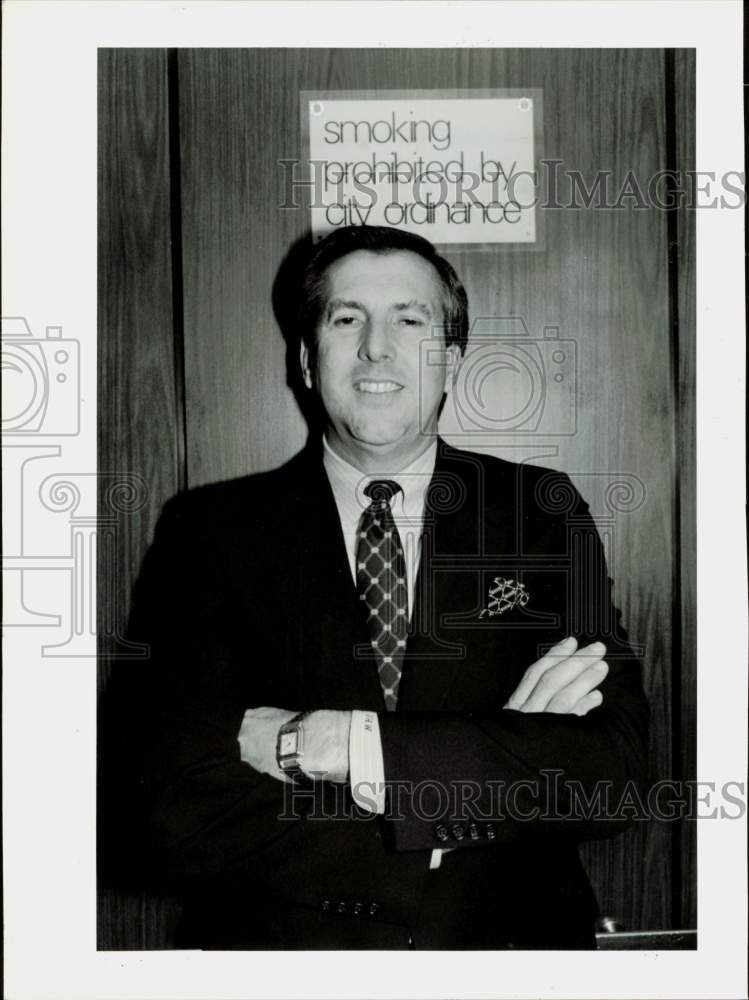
(377,386)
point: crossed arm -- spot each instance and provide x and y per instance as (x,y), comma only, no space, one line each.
(565,681)
(211,810)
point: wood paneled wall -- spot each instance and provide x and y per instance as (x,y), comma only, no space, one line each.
(140,418)
(681,80)
(192,364)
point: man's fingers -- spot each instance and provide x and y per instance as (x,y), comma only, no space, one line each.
(557,678)
(257,738)
(563,686)
(565,701)
(535,672)
(589,701)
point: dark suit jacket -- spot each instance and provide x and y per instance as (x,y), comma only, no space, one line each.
(246,599)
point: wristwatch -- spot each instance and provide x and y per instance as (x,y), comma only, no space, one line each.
(290,749)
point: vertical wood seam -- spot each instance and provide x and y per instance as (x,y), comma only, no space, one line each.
(672,232)
(178,305)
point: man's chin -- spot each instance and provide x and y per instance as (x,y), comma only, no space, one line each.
(379,435)
(379,443)
(362,441)
(402,442)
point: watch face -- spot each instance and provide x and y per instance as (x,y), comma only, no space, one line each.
(287,744)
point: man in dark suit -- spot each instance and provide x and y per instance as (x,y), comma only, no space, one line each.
(379,712)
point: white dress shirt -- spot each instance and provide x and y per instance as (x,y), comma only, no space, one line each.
(366,764)
(348,486)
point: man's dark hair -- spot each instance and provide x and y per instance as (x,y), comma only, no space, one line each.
(378,239)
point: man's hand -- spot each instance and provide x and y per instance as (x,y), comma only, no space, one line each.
(563,681)
(325,742)
(258,736)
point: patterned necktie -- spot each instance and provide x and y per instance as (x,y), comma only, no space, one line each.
(381,582)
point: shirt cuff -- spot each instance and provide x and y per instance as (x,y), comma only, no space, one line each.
(366,764)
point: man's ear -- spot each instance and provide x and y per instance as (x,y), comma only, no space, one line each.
(453,360)
(304,360)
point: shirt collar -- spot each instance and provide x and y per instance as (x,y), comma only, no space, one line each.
(348,484)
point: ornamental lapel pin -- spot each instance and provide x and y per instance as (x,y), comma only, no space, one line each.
(504,595)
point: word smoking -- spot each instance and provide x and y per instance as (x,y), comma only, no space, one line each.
(389,130)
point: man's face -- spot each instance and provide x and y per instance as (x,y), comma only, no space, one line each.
(381,401)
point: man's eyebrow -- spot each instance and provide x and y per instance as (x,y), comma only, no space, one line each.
(342,304)
(334,304)
(423,307)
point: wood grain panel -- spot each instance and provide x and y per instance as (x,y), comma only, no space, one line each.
(240,414)
(138,415)
(684,106)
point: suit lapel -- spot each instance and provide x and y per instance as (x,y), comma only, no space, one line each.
(454,559)
(329,617)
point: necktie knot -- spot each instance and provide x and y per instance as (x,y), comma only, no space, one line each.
(381,491)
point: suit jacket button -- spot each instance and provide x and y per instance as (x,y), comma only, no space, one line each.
(473,831)
(458,832)
(491,833)
(341,907)
(373,908)
(441,833)
(357,908)
(326,904)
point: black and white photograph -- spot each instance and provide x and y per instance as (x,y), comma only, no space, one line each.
(386,557)
(411,651)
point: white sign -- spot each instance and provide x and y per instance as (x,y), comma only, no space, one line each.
(455,170)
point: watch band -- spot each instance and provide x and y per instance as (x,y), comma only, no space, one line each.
(290,749)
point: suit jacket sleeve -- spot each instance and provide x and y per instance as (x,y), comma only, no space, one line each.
(451,773)
(210,812)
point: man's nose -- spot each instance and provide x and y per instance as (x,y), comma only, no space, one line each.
(376,342)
